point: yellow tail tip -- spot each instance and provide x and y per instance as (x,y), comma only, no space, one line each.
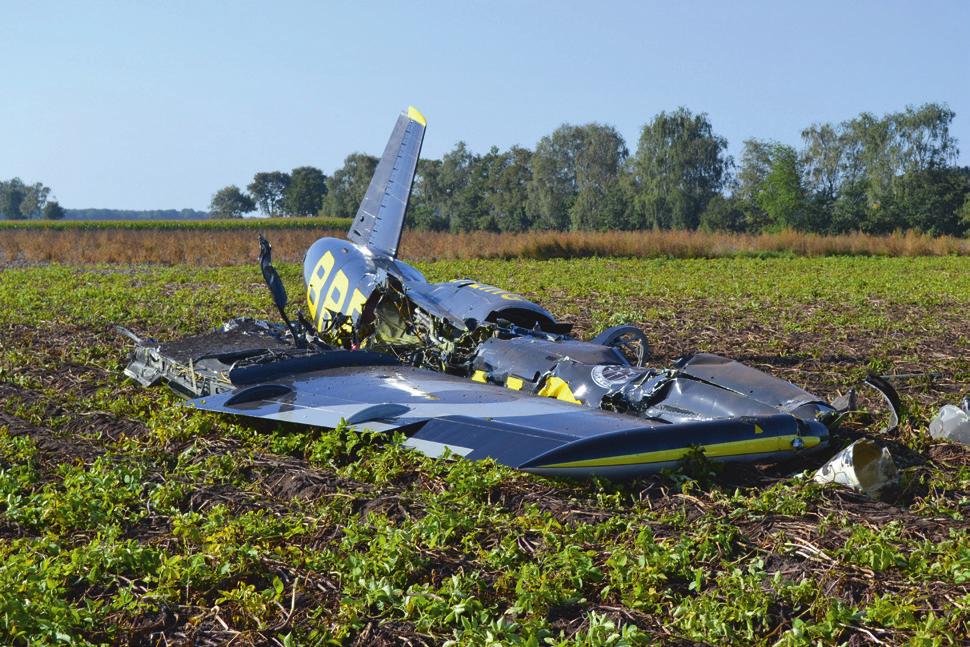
(415,115)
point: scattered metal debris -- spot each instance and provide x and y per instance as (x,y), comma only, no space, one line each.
(952,423)
(889,394)
(862,466)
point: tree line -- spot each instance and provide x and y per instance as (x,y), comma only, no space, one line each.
(869,173)
(298,193)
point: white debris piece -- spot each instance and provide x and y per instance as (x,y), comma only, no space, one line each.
(952,423)
(862,466)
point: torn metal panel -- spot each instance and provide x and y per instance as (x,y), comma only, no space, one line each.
(862,466)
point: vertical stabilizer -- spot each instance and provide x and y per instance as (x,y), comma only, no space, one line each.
(380,218)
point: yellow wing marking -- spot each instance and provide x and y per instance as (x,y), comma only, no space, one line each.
(733,448)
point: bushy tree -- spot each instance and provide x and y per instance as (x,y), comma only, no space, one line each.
(855,171)
(306,191)
(601,202)
(931,200)
(12,193)
(780,195)
(965,216)
(427,210)
(230,202)
(552,188)
(462,191)
(34,200)
(723,214)
(508,174)
(754,169)
(575,178)
(823,160)
(19,200)
(268,190)
(53,211)
(348,185)
(680,165)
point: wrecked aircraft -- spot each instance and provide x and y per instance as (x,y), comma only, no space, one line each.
(469,369)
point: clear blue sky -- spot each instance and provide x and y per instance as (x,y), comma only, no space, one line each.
(157,105)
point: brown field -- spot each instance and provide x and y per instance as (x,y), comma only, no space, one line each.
(230,247)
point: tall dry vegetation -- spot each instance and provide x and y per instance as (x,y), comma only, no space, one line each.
(202,247)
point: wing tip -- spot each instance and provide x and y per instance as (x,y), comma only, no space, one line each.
(415,115)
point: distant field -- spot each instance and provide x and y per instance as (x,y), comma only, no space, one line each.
(227,242)
(125,518)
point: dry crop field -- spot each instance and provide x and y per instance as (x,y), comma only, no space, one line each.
(125,518)
(223,242)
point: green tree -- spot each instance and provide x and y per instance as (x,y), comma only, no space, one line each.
(931,200)
(680,165)
(576,178)
(823,160)
(462,183)
(553,188)
(427,205)
(724,214)
(754,168)
(850,207)
(34,200)
(12,194)
(347,186)
(53,211)
(508,174)
(230,202)
(780,195)
(880,151)
(924,135)
(965,215)
(267,190)
(600,201)
(873,157)
(304,196)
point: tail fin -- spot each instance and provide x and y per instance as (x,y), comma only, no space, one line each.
(380,218)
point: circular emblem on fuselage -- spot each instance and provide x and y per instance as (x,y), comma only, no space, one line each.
(608,375)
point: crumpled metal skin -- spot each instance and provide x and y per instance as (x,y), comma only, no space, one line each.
(862,466)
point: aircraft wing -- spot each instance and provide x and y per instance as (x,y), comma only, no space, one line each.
(380,218)
(517,429)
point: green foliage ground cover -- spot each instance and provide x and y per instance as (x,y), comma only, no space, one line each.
(252,224)
(124,517)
